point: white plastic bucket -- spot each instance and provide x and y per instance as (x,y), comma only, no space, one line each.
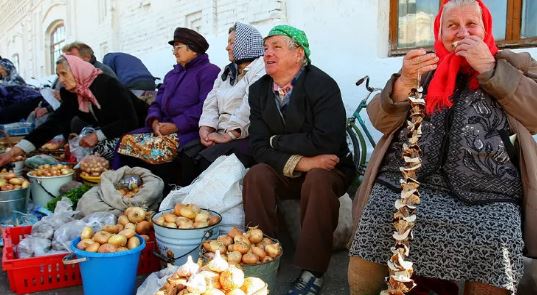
(44,188)
(175,245)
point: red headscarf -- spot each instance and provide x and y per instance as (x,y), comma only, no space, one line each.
(443,82)
(84,74)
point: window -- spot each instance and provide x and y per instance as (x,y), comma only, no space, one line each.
(57,41)
(411,23)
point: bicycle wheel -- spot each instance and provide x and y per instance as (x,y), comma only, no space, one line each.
(354,146)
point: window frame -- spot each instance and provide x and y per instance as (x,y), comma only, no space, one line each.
(53,43)
(513,29)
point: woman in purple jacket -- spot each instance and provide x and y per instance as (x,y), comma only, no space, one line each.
(179,102)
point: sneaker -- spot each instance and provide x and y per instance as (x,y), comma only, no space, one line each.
(306,284)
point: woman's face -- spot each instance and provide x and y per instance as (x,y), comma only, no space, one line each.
(229,48)
(460,22)
(65,76)
(3,72)
(183,54)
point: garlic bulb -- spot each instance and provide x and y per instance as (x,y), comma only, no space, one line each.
(189,268)
(232,278)
(197,284)
(218,264)
(252,285)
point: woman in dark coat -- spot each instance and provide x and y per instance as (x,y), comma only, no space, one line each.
(90,95)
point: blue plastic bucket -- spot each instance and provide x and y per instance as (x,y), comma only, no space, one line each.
(109,273)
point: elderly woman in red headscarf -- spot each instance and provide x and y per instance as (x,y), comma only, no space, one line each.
(90,95)
(478,177)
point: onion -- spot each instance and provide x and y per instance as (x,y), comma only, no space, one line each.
(214,219)
(234,257)
(203,216)
(273,250)
(93,247)
(234,232)
(83,244)
(87,233)
(169,217)
(107,248)
(144,227)
(225,239)
(123,220)
(135,214)
(133,242)
(259,252)
(241,247)
(255,235)
(250,258)
(212,279)
(241,239)
(187,212)
(101,237)
(118,240)
(217,246)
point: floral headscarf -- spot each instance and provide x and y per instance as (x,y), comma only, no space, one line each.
(443,82)
(84,73)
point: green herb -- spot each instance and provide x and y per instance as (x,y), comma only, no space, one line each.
(74,195)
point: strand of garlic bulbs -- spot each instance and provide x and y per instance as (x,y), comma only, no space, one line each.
(401,269)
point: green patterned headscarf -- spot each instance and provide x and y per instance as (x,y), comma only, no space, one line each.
(295,34)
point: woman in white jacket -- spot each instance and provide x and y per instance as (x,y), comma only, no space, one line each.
(225,118)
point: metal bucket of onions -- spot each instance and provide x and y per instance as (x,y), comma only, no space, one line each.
(257,254)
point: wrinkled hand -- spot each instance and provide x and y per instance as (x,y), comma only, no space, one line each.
(325,161)
(40,112)
(155,125)
(476,53)
(89,140)
(417,60)
(167,128)
(9,156)
(56,94)
(219,138)
(204,135)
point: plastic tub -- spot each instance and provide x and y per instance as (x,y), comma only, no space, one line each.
(107,273)
(175,245)
(15,200)
(44,188)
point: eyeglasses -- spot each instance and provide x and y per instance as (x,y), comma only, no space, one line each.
(177,47)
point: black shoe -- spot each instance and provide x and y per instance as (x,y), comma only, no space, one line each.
(306,284)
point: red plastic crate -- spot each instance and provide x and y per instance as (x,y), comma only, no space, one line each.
(27,275)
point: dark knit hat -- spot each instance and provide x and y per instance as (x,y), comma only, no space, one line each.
(191,38)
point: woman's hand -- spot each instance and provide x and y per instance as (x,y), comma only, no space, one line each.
(216,137)
(167,128)
(89,140)
(204,135)
(155,125)
(476,53)
(415,63)
(9,156)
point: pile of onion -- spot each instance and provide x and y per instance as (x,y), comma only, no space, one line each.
(118,237)
(404,219)
(10,181)
(247,248)
(217,277)
(187,216)
(51,170)
(93,165)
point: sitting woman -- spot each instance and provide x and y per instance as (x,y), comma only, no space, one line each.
(225,118)
(178,106)
(17,99)
(90,95)
(474,182)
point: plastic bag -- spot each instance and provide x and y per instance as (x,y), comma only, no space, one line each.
(218,188)
(99,219)
(156,280)
(66,233)
(38,160)
(75,149)
(42,230)
(33,246)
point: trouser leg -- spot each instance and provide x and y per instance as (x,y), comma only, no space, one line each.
(319,209)
(261,188)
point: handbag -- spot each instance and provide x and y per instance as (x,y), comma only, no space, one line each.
(149,148)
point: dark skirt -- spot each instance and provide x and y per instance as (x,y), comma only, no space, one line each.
(452,240)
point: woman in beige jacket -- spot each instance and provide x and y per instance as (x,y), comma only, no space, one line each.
(476,179)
